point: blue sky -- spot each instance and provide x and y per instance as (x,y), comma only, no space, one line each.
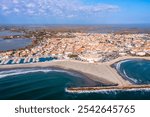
(74,11)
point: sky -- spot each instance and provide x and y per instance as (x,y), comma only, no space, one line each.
(74,11)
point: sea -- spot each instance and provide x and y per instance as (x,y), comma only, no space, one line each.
(136,71)
(51,83)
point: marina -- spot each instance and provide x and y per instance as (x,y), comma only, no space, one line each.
(26,60)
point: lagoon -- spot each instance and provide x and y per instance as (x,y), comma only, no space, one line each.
(9,44)
(10,33)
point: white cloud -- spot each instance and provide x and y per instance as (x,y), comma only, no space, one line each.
(30,5)
(15,1)
(60,8)
(4,7)
(71,16)
(16,10)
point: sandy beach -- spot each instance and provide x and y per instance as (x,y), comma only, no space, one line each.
(127,57)
(103,72)
(100,72)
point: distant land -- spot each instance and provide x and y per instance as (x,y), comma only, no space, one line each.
(97,28)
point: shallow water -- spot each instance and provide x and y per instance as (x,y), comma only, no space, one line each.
(50,84)
(9,33)
(9,44)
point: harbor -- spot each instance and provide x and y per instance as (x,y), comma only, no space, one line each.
(26,60)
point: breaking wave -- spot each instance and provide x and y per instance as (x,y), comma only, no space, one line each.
(137,71)
(131,79)
(7,73)
(122,71)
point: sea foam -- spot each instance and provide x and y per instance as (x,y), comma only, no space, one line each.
(123,72)
(7,73)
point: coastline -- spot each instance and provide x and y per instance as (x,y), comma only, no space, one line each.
(87,79)
(99,72)
(129,58)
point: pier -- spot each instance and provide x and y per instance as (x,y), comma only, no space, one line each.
(6,61)
(34,60)
(29,60)
(2,62)
(110,88)
(18,61)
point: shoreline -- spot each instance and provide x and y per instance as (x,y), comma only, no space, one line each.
(98,72)
(115,66)
(87,79)
(101,73)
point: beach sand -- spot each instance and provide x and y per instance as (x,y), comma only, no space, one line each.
(127,57)
(103,72)
(100,72)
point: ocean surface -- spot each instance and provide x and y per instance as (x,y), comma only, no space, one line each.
(51,84)
(136,71)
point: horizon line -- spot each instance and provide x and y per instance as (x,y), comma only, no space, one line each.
(75,24)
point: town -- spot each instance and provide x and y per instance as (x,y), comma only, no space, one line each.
(89,47)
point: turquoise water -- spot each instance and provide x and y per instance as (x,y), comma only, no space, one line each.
(46,59)
(50,84)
